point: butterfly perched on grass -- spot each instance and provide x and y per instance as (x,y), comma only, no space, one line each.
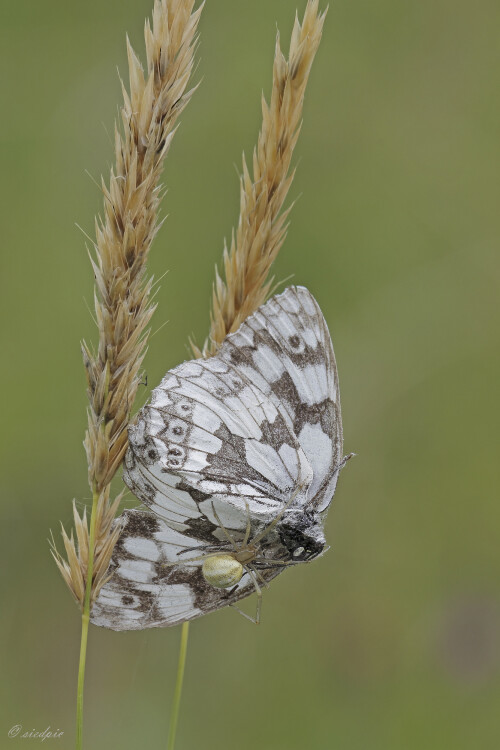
(236,458)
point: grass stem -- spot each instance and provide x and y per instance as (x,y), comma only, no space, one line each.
(85,627)
(174,714)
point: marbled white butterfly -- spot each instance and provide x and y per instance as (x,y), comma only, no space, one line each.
(237,458)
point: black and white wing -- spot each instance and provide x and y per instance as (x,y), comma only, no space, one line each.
(147,591)
(225,440)
(285,348)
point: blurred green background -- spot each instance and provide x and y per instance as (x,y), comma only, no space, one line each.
(391,641)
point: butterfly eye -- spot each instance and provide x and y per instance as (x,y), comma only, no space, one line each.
(294,341)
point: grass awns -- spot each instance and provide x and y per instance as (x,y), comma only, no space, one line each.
(262,225)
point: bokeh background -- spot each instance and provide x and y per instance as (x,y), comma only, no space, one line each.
(391,641)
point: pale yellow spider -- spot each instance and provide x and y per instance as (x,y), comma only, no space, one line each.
(225,569)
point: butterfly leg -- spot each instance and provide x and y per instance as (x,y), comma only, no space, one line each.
(276,520)
(267,563)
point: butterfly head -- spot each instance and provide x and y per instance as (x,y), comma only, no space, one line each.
(302,534)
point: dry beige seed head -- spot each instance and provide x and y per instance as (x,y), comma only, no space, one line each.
(262,223)
(74,568)
(130,222)
(123,292)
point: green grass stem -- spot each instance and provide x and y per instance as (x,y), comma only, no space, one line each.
(174,714)
(85,627)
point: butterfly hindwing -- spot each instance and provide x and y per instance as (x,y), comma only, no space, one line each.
(147,591)
(285,347)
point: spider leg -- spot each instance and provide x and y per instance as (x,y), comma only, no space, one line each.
(259,594)
(194,549)
(249,526)
(258,591)
(244,614)
(191,559)
(225,531)
(259,576)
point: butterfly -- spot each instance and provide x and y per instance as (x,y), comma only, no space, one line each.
(236,457)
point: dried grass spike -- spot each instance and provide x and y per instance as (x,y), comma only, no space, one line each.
(262,224)
(123,305)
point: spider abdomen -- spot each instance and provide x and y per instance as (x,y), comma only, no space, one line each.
(222,571)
